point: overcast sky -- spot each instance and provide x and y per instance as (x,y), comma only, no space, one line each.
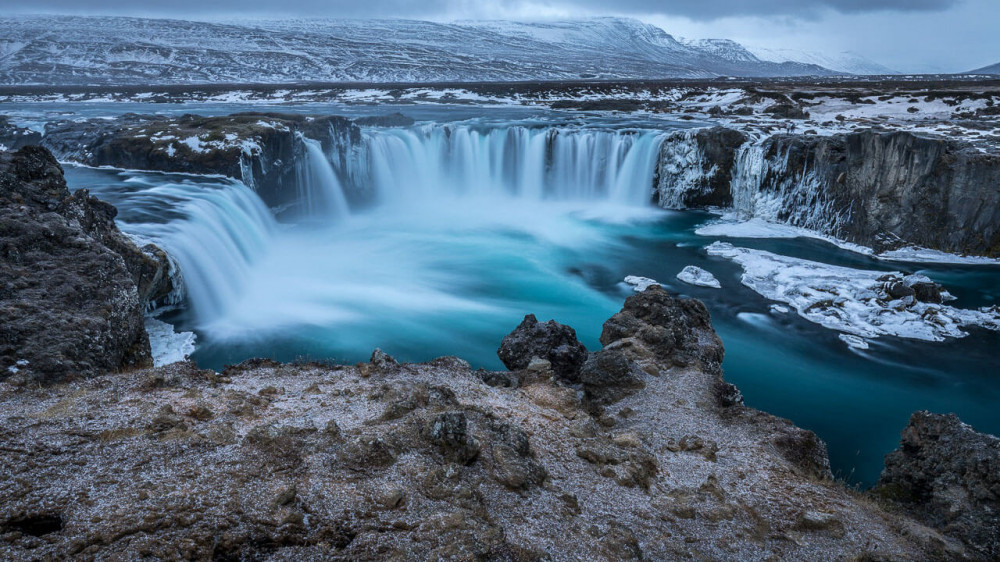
(907,35)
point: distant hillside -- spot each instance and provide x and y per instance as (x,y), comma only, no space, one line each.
(992,69)
(67,50)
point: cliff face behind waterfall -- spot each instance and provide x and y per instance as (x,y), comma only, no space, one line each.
(878,189)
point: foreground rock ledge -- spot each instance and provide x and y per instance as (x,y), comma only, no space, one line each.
(72,286)
(418,461)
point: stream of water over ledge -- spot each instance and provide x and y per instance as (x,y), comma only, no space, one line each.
(474,225)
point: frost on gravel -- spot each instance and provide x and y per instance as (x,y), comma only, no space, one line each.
(167,345)
(693,275)
(854,301)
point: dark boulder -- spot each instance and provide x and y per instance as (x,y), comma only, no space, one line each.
(947,474)
(786,111)
(608,376)
(550,341)
(899,290)
(69,298)
(927,292)
(512,462)
(678,330)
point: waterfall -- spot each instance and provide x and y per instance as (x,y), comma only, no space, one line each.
(319,189)
(218,230)
(215,232)
(441,161)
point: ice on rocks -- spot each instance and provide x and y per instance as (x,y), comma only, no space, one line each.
(640,284)
(694,275)
(850,300)
(167,345)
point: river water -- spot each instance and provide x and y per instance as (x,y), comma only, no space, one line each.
(478,223)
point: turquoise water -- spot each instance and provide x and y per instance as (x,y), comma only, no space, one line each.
(454,279)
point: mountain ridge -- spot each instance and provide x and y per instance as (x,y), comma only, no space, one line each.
(103,50)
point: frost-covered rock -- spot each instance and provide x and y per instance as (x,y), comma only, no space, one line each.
(694,275)
(260,149)
(428,461)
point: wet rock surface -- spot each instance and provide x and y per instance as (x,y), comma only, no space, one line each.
(876,188)
(72,287)
(13,137)
(947,475)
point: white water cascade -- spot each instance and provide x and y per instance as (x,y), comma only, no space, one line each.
(560,164)
(242,272)
(320,191)
(216,232)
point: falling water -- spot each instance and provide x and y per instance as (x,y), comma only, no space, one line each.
(319,189)
(556,164)
(216,230)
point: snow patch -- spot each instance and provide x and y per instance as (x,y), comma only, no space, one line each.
(925,255)
(851,300)
(167,345)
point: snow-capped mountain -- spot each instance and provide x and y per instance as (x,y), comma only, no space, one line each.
(114,50)
(847,62)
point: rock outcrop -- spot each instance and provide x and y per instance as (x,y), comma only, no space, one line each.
(387,460)
(260,149)
(13,137)
(72,287)
(695,169)
(879,189)
(947,475)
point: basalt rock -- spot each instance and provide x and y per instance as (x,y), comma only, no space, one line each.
(879,189)
(260,149)
(551,341)
(72,287)
(697,172)
(608,375)
(948,475)
(13,137)
(314,461)
(679,331)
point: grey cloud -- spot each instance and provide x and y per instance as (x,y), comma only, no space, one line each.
(696,9)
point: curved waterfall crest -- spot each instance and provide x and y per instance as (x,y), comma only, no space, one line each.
(221,231)
(537,163)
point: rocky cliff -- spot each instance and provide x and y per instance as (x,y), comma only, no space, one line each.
(72,287)
(261,149)
(948,475)
(878,189)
